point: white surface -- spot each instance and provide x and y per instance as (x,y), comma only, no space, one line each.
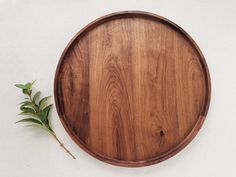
(33,35)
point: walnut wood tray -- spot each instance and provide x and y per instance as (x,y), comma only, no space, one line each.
(132,88)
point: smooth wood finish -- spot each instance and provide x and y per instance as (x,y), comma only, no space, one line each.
(132,88)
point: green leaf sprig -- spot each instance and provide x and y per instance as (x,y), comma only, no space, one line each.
(37,112)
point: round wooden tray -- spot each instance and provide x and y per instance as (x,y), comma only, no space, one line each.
(132,88)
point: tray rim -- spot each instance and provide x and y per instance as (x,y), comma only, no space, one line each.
(172,151)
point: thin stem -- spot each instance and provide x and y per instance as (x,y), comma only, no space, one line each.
(62,145)
(50,130)
(30,97)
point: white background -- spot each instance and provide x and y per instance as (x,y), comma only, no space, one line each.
(33,35)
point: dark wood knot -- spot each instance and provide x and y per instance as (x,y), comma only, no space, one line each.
(162,133)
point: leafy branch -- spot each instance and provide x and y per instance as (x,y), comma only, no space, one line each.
(37,112)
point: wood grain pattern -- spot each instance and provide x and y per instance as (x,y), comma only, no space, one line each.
(132,89)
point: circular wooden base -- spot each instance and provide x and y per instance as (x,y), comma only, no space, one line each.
(132,88)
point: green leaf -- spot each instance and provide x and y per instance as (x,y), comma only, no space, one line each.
(32,120)
(21,86)
(23,102)
(27,109)
(25,91)
(29,114)
(44,114)
(36,95)
(28,85)
(32,83)
(43,102)
(41,127)
(27,104)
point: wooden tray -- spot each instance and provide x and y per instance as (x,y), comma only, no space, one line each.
(132,88)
